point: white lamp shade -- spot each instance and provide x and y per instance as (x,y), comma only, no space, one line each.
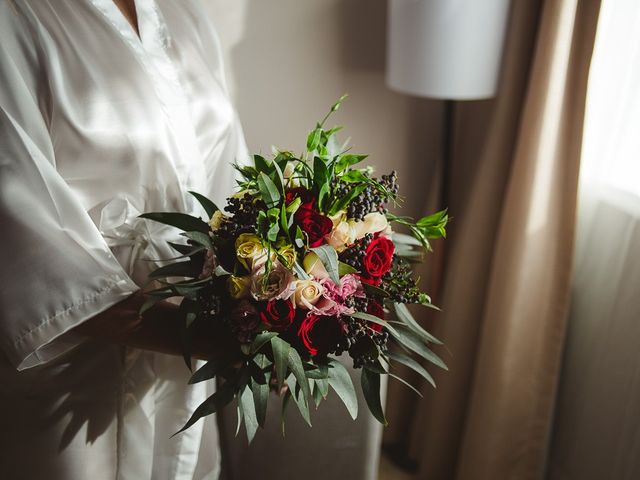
(449,49)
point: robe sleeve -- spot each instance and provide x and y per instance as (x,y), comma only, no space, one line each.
(56,270)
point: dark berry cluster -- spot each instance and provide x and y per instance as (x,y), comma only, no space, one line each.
(374,199)
(353,255)
(363,343)
(243,213)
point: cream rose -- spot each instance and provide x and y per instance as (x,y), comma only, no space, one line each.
(342,235)
(373,223)
(249,248)
(307,293)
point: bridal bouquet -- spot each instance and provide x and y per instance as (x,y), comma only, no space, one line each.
(300,266)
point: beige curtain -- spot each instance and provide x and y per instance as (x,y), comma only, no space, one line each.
(507,260)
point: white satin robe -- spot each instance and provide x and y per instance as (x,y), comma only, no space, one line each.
(97,126)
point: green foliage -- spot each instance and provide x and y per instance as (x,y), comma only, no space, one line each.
(370,382)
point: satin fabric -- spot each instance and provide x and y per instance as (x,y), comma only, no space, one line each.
(96,126)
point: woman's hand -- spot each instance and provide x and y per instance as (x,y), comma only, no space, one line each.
(158,329)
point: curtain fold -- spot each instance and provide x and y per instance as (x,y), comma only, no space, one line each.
(508,257)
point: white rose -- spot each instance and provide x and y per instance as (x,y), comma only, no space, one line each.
(307,293)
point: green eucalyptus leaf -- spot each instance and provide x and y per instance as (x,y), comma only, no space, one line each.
(405,316)
(200,238)
(208,371)
(295,365)
(280,350)
(260,399)
(413,365)
(177,269)
(299,398)
(370,382)
(213,404)
(260,340)
(413,342)
(248,409)
(179,220)
(329,258)
(340,381)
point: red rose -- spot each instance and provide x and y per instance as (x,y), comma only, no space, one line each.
(378,257)
(370,280)
(305,196)
(278,315)
(315,225)
(375,308)
(320,334)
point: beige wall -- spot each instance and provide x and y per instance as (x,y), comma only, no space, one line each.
(289,60)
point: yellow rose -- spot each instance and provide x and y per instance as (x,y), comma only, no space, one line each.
(248,248)
(288,254)
(216,220)
(314,267)
(307,293)
(239,286)
(342,235)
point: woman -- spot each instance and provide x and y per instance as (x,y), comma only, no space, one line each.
(108,108)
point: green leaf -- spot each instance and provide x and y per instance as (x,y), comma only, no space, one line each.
(152,300)
(370,382)
(405,316)
(299,271)
(260,340)
(340,381)
(413,365)
(260,399)
(317,395)
(200,238)
(345,269)
(373,290)
(214,403)
(329,258)
(179,220)
(295,365)
(269,191)
(280,350)
(299,398)
(207,204)
(178,269)
(348,160)
(248,409)
(404,239)
(410,340)
(262,164)
(208,371)
(402,380)
(313,139)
